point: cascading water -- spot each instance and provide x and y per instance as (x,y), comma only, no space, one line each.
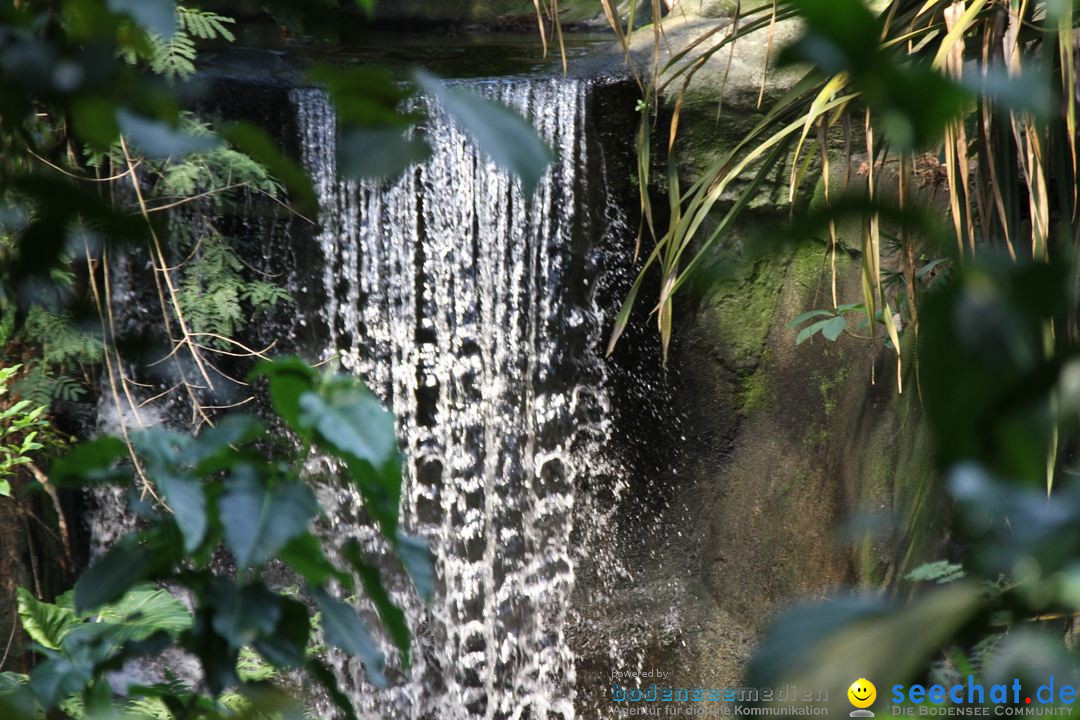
(479,316)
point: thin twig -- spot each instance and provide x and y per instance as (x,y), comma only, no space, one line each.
(115,394)
(193,198)
(61,521)
(10,640)
(245,401)
(106,277)
(80,177)
(285,205)
(225,375)
(248,352)
(196,409)
(33,559)
(162,266)
(159,395)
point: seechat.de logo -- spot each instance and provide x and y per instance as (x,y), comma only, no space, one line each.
(862,694)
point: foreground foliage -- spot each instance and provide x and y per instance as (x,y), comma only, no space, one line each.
(99,160)
(987,87)
(20,426)
(236,489)
(997,397)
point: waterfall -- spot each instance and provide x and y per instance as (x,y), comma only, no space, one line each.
(479,317)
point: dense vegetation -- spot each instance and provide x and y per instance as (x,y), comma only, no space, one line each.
(101,161)
(99,158)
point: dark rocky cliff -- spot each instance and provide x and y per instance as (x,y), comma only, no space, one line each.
(801,469)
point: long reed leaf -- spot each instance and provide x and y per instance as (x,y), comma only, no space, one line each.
(960,27)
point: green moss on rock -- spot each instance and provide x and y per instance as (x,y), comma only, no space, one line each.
(743,309)
(756,392)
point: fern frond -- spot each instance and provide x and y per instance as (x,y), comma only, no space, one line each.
(62,343)
(263,296)
(214,288)
(41,386)
(205,171)
(175,58)
(204,24)
(35,386)
(940,571)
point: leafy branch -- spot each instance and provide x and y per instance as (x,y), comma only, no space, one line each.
(20,425)
(174,57)
(227,490)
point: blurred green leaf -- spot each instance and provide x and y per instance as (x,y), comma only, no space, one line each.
(257,144)
(91,462)
(1026,92)
(1034,657)
(378,153)
(825,646)
(511,142)
(218,658)
(810,330)
(352,421)
(45,624)
(348,421)
(58,679)
(16,699)
(345,630)
(380,487)
(987,397)
(328,681)
(367,96)
(419,563)
(243,613)
(295,16)
(810,314)
(182,492)
(305,555)
(156,16)
(1015,525)
(391,615)
(289,379)
(143,611)
(157,139)
(94,119)
(215,447)
(913,101)
(258,521)
(286,645)
(112,574)
(832,329)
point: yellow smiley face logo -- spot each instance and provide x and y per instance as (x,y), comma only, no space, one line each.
(862,693)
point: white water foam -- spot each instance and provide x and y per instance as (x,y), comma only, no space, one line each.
(465,307)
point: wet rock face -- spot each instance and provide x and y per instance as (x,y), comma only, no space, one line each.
(779,446)
(481,11)
(719,8)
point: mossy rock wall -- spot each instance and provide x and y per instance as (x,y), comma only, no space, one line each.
(803,470)
(827,481)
